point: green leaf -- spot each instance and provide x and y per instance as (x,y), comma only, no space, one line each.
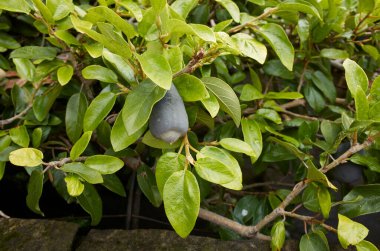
(350,232)
(250,47)
(310,198)
(66,37)
(237,145)
(371,50)
(283,95)
(75,110)
(252,136)
(314,98)
(152,141)
(88,174)
(15,6)
(369,161)
(244,210)
(232,8)
(355,77)
(157,68)
(375,88)
(103,13)
(226,96)
(74,186)
(91,202)
(211,104)
(2,169)
(361,105)
(191,88)
(301,6)
(269,114)
(361,200)
(25,68)
(20,136)
(325,85)
(104,164)
(80,145)
(27,157)
(168,164)
(60,8)
(113,183)
(98,110)
(34,53)
(132,7)
(181,198)
(148,185)
(120,139)
(44,11)
(334,53)
(139,104)
(313,242)
(313,174)
(324,199)
(35,185)
(100,73)
(303,29)
(250,92)
(8,42)
(275,35)
(121,65)
(64,74)
(158,5)
(278,235)
(180,28)
(43,103)
(366,246)
(218,166)
(114,42)
(183,7)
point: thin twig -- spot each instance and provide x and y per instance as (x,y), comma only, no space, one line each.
(2,214)
(18,116)
(309,219)
(192,65)
(269,183)
(300,84)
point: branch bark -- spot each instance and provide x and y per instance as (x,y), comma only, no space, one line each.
(18,116)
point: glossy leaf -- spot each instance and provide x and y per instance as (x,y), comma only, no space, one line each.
(157,68)
(350,232)
(75,111)
(366,246)
(88,174)
(183,7)
(27,157)
(74,186)
(104,164)
(98,110)
(250,92)
(113,183)
(252,136)
(35,186)
(168,164)
(147,184)
(237,145)
(211,104)
(325,85)
(43,103)
(120,139)
(121,65)
(361,200)
(64,74)
(80,145)
(301,6)
(152,141)
(181,198)
(20,136)
(314,174)
(191,88)
(250,47)
(100,73)
(218,166)
(334,53)
(355,76)
(34,53)
(324,199)
(133,7)
(91,202)
(232,8)
(313,242)
(275,35)
(139,104)
(226,96)
(15,6)
(278,235)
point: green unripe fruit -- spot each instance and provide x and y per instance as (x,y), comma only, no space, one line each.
(168,120)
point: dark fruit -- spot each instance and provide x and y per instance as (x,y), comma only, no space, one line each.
(168,120)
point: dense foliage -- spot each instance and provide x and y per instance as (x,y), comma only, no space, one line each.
(282,102)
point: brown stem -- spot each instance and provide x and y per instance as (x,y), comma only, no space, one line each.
(300,84)
(18,116)
(192,65)
(309,219)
